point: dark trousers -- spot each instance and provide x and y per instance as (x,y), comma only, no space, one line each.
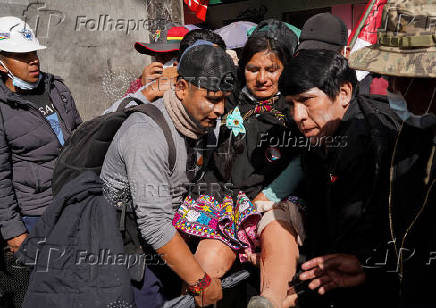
(14,277)
(159,285)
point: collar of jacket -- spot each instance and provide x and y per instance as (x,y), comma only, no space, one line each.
(9,97)
(253,99)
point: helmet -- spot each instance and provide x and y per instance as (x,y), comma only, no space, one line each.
(17,36)
(406,44)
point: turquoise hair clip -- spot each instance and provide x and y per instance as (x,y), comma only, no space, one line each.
(293,28)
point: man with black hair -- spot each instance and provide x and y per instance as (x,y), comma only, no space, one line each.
(405,54)
(346,163)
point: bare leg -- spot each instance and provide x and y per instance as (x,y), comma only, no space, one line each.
(278,261)
(215,257)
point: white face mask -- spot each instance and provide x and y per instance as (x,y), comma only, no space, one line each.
(19,83)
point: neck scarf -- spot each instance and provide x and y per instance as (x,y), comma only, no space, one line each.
(178,114)
(263,106)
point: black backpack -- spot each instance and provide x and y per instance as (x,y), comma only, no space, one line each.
(86,149)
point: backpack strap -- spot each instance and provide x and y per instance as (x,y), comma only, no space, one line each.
(127,101)
(157,116)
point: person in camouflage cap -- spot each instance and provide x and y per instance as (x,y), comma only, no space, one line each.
(406,44)
(406,53)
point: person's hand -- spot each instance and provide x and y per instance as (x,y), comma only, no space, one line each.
(253,258)
(15,242)
(212,294)
(260,197)
(290,300)
(333,271)
(157,88)
(151,72)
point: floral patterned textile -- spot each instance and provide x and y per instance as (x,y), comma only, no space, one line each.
(233,224)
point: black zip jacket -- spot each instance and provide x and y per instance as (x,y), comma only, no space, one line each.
(347,189)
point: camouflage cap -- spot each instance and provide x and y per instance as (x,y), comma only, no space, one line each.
(406,41)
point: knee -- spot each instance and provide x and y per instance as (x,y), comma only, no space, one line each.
(215,258)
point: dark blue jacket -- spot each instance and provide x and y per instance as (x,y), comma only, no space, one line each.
(28,151)
(76,251)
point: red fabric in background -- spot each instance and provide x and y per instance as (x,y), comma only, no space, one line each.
(134,86)
(199,7)
(379,86)
(372,23)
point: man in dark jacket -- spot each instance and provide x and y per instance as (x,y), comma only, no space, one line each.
(37,115)
(345,164)
(409,257)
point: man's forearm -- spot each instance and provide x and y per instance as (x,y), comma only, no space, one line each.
(180,259)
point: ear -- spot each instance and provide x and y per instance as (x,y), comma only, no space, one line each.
(345,94)
(345,52)
(182,88)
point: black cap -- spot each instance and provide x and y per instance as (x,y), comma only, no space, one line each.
(207,66)
(323,31)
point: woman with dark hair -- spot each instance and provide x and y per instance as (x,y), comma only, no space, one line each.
(253,153)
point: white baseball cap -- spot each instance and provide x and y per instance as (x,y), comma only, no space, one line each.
(17,36)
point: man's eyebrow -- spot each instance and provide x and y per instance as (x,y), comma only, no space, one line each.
(303,96)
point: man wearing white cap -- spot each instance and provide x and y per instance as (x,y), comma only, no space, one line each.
(37,115)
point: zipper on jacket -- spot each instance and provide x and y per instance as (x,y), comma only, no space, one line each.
(62,122)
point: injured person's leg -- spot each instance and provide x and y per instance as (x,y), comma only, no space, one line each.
(215,257)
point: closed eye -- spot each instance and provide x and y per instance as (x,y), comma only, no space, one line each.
(252,69)
(214,100)
(272,69)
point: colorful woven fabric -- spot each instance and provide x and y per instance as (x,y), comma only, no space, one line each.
(264,106)
(233,224)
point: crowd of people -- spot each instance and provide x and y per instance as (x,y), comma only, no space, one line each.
(270,159)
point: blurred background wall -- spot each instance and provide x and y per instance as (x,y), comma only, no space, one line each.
(90,43)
